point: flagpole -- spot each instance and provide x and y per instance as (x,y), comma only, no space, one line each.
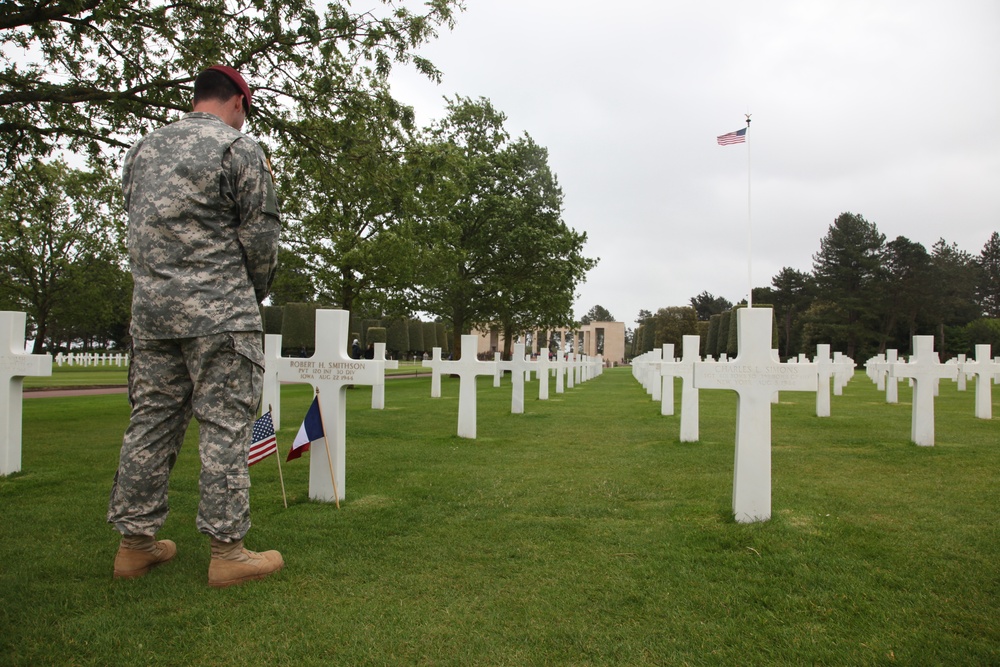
(749,227)
(326,441)
(278,458)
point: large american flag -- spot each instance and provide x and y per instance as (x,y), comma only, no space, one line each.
(737,137)
(264,443)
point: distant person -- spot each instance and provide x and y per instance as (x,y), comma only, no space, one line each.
(370,351)
(203,230)
(356,349)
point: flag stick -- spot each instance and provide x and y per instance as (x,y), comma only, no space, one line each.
(277,456)
(749,227)
(329,457)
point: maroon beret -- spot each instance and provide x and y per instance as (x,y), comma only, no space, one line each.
(236,78)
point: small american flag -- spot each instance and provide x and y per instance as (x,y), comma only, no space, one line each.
(264,443)
(737,137)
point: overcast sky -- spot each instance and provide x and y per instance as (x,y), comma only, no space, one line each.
(887,109)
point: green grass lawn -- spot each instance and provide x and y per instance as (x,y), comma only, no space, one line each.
(579,533)
(66,376)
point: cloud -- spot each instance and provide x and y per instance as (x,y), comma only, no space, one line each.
(883,109)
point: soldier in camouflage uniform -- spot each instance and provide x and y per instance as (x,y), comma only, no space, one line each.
(203,239)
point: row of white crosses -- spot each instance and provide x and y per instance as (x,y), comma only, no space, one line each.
(330,370)
(91,359)
(757,375)
(839,369)
(669,368)
(469,367)
(924,370)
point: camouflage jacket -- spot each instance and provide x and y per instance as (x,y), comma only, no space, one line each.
(203,229)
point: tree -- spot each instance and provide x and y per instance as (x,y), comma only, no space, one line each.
(711,342)
(648,342)
(673,323)
(455,170)
(53,222)
(416,335)
(539,261)
(398,337)
(722,341)
(293,281)
(97,307)
(95,74)
(791,295)
(847,269)
(495,250)
(905,290)
(706,305)
(983,331)
(343,210)
(430,337)
(597,314)
(988,286)
(952,300)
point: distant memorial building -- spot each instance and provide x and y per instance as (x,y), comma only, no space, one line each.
(606,338)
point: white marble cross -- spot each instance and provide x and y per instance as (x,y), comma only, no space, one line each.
(271,395)
(570,370)
(498,373)
(651,373)
(378,389)
(436,366)
(878,368)
(924,369)
(559,366)
(983,368)
(15,365)
(467,368)
(844,372)
(330,370)
(824,371)
(543,364)
(517,367)
(691,346)
(755,376)
(961,361)
(664,373)
(891,383)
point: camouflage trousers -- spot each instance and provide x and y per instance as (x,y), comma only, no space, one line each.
(217,379)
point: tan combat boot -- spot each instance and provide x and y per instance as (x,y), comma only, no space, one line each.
(232,564)
(138,554)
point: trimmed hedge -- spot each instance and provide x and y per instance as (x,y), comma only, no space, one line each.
(271,317)
(298,329)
